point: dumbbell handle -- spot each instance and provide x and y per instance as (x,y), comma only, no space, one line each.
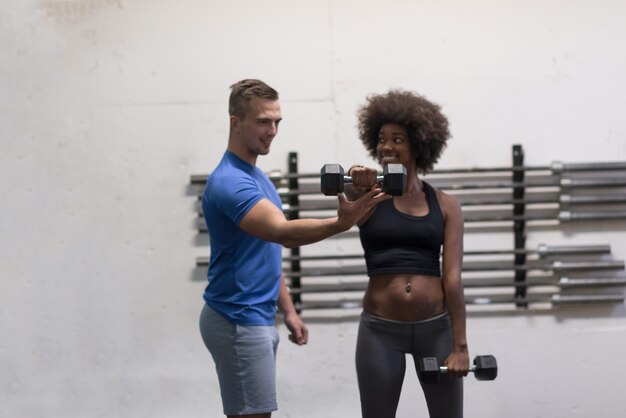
(393,179)
(348,179)
(444,369)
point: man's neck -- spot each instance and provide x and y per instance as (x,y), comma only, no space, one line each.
(242,153)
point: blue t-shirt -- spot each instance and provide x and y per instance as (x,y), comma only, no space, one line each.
(244,272)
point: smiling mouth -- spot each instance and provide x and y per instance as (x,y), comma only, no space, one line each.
(387,157)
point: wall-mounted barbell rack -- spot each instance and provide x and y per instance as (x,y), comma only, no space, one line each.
(518,197)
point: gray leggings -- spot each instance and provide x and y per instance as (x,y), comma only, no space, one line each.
(381,350)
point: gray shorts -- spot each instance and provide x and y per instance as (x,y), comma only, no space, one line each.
(245,359)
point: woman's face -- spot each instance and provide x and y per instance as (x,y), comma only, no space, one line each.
(393,145)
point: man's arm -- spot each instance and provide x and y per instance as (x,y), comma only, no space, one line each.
(268,222)
(299,334)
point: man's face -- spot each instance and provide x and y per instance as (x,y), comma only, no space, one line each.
(259,127)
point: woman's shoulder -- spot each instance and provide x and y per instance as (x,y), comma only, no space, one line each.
(447,202)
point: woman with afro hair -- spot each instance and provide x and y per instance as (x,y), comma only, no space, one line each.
(414,304)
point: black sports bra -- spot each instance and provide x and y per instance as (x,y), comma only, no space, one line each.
(398,243)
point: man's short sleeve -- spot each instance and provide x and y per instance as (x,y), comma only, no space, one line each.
(233,198)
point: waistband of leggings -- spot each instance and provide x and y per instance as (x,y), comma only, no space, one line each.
(393,321)
(443,317)
(434,324)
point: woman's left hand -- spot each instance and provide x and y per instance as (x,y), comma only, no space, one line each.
(457,364)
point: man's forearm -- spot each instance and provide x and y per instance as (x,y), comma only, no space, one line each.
(285,304)
(299,232)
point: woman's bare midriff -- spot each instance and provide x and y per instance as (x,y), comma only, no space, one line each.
(404,297)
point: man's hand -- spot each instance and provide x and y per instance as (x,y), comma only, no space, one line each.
(299,334)
(349,212)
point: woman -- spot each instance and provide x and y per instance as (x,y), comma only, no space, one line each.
(413,304)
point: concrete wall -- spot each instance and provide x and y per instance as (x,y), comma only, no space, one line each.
(108,106)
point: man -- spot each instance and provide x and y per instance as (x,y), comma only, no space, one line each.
(247,228)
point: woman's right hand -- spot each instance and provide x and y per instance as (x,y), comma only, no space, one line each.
(363,177)
(363,180)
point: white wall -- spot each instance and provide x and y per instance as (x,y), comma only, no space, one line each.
(108,106)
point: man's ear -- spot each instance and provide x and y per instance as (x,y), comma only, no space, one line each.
(234,123)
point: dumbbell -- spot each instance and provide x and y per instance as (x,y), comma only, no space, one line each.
(393,179)
(484,368)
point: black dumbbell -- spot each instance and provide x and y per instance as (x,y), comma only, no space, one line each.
(484,368)
(393,179)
